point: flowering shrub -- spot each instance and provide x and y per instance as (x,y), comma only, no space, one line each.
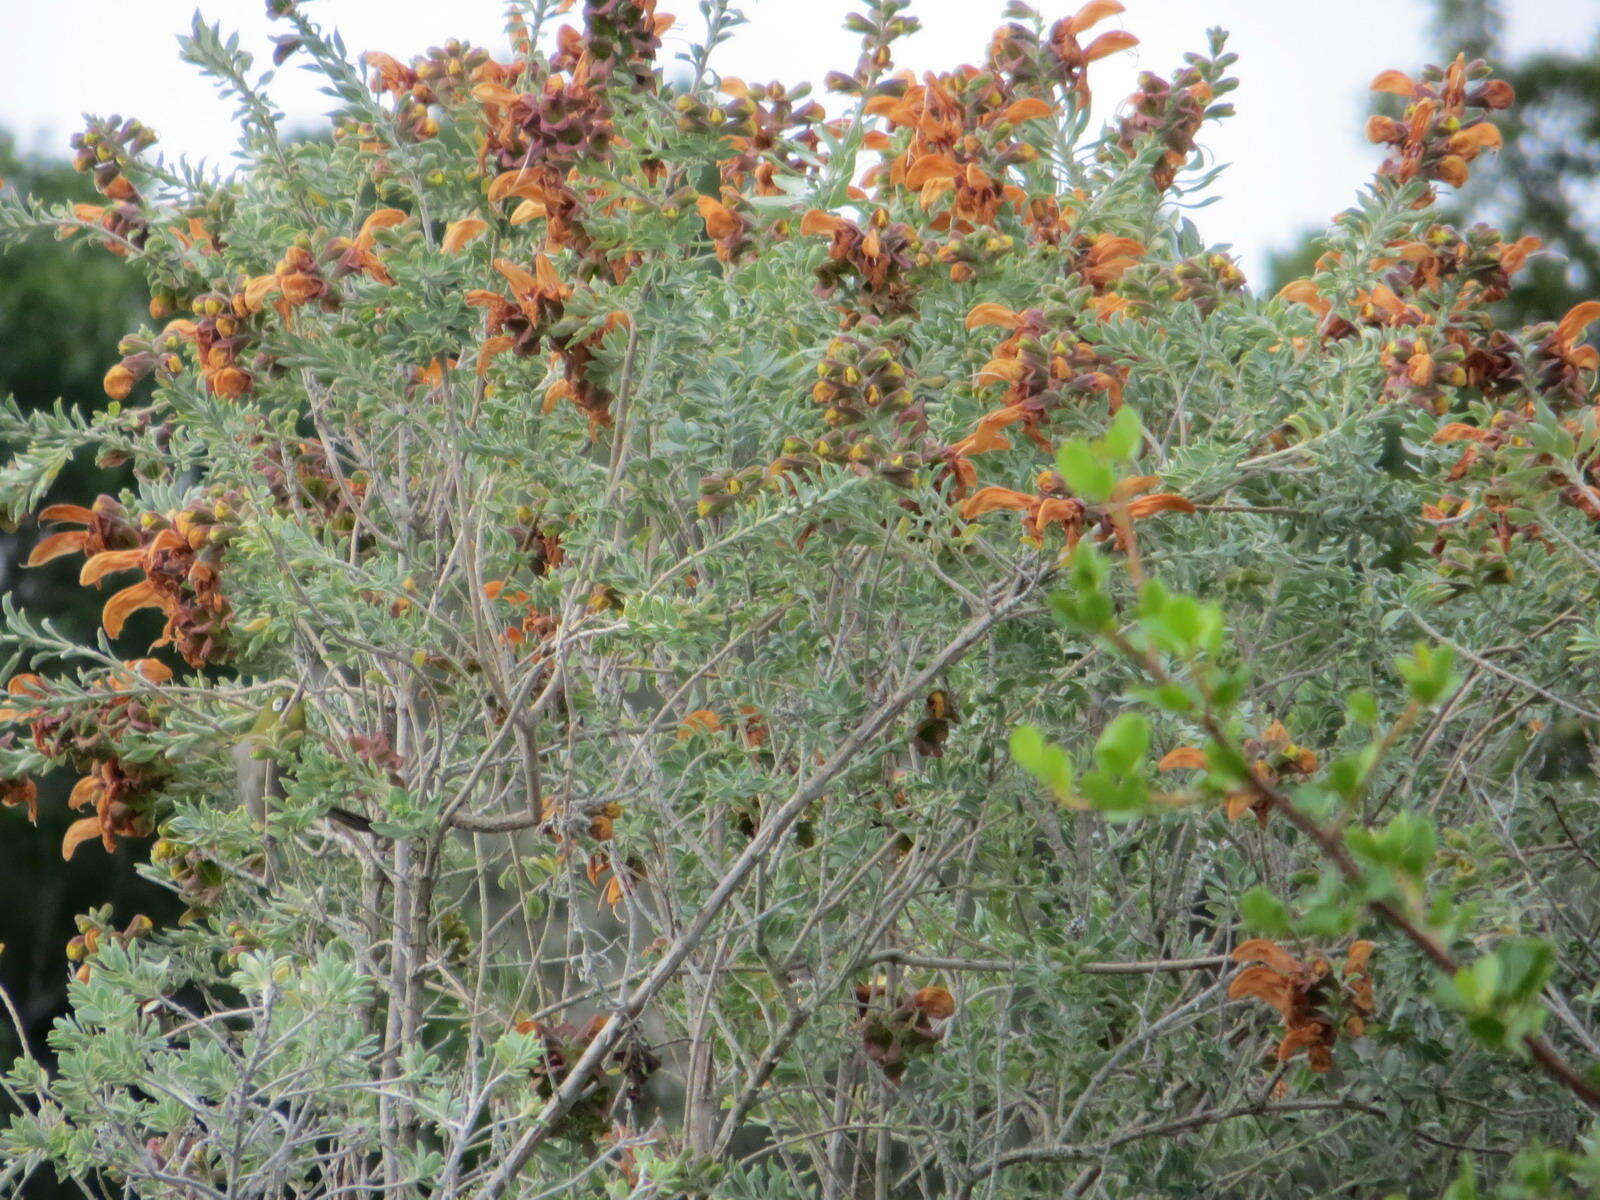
(599,528)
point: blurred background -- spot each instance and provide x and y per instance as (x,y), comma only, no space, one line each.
(1294,151)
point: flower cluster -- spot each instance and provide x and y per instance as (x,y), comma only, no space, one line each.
(434,80)
(1314,1002)
(767,127)
(877,258)
(91,737)
(895,1032)
(1171,114)
(628,1070)
(1044,365)
(535,315)
(1052,504)
(1063,57)
(104,151)
(179,555)
(1272,757)
(95,932)
(1444,126)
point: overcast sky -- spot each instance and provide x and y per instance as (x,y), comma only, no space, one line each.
(1295,149)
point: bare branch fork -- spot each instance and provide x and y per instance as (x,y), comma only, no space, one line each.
(1012,597)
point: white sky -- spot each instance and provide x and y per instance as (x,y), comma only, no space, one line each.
(1295,148)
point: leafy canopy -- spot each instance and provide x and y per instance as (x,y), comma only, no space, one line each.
(682,640)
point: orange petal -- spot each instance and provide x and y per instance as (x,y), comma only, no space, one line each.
(544,272)
(26,684)
(719,218)
(1109,43)
(108,562)
(1147,506)
(514,183)
(152,669)
(990,498)
(1303,291)
(980,442)
(127,602)
(989,313)
(1396,83)
(1577,320)
(520,278)
(702,720)
(56,545)
(384,218)
(1239,803)
(999,370)
(75,513)
(529,210)
(1260,983)
(816,221)
(80,831)
(1266,951)
(1029,109)
(1356,959)
(1452,169)
(930,166)
(494,93)
(1514,255)
(495,345)
(1093,13)
(1184,758)
(1457,431)
(460,233)
(1310,1036)
(258,289)
(119,382)
(1133,486)
(1062,510)
(1485,135)
(86,792)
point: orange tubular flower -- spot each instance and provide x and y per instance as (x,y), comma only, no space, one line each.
(1562,357)
(728,231)
(1107,259)
(459,234)
(532,318)
(1074,57)
(20,793)
(360,255)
